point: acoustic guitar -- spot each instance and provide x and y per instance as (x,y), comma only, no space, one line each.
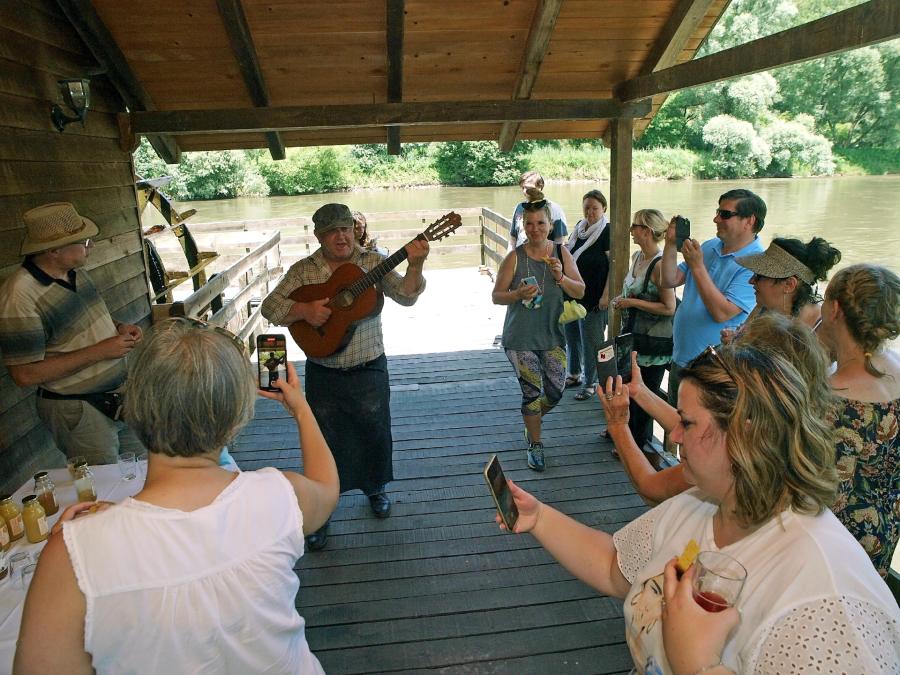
(353,296)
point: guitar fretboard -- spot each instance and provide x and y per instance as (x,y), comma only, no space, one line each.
(378,273)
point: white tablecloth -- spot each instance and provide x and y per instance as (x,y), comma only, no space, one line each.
(110,487)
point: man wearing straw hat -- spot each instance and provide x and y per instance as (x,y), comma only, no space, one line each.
(57,333)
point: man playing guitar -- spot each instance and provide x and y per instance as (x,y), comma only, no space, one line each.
(348,390)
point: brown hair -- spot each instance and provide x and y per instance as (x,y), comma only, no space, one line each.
(599,196)
(869,297)
(781,448)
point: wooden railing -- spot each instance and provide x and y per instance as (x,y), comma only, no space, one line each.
(230,298)
(494,237)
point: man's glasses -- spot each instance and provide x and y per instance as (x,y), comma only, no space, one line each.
(710,352)
(200,323)
(725,214)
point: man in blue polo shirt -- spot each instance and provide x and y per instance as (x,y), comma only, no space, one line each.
(717,291)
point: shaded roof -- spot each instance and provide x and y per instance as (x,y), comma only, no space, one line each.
(230,54)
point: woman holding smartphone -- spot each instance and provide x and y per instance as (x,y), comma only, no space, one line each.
(531,282)
(761,459)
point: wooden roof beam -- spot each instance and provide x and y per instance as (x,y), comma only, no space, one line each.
(96,36)
(682,24)
(535,49)
(232,12)
(866,24)
(396,10)
(241,120)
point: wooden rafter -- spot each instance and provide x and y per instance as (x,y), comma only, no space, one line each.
(535,49)
(394,35)
(866,24)
(682,24)
(239,120)
(245,52)
(96,36)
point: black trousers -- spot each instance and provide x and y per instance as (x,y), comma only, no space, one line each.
(640,423)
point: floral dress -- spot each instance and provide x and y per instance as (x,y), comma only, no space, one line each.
(868,464)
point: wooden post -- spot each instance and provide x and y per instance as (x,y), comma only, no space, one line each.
(620,202)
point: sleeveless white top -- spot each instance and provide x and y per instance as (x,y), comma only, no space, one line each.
(206,591)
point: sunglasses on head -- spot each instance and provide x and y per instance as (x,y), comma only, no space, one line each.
(535,206)
(725,214)
(200,323)
(711,353)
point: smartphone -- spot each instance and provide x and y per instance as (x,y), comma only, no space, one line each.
(271,350)
(614,358)
(535,302)
(503,499)
(682,231)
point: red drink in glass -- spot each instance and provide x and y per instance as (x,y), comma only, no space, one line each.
(711,601)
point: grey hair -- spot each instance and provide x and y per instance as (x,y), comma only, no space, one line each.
(190,390)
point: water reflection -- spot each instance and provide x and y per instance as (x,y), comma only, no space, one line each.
(858,215)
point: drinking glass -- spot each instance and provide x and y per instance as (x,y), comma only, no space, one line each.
(71,462)
(127,465)
(26,574)
(718,580)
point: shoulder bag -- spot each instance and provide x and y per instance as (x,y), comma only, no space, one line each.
(652,332)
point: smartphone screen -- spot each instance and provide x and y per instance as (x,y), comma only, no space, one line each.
(271,350)
(535,302)
(503,498)
(624,347)
(682,231)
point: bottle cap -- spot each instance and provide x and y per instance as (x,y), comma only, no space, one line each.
(40,474)
(28,498)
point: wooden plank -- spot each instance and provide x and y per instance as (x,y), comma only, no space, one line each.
(28,144)
(41,27)
(535,49)
(869,23)
(395,10)
(109,207)
(242,46)
(30,453)
(100,42)
(21,112)
(620,206)
(24,177)
(385,114)
(24,80)
(681,26)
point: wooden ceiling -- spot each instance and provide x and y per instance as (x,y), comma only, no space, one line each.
(414,61)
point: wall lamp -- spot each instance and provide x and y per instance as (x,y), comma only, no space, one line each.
(77,96)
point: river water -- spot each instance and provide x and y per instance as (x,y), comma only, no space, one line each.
(858,215)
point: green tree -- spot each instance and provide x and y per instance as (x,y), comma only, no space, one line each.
(304,170)
(478,163)
(736,150)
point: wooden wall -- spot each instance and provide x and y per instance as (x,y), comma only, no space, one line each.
(38,165)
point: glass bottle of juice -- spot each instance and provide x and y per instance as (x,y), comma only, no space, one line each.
(5,539)
(46,492)
(84,483)
(13,517)
(36,527)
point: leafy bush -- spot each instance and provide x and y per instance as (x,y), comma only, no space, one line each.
(736,151)
(147,163)
(216,175)
(477,163)
(372,166)
(796,150)
(669,163)
(304,170)
(570,161)
(872,161)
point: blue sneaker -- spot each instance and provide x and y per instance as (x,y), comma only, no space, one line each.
(535,455)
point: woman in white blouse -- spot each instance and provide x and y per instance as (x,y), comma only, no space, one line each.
(763,466)
(195,573)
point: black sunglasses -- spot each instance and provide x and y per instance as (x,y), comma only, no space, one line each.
(725,214)
(534,206)
(710,352)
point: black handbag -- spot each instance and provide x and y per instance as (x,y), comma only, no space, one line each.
(652,332)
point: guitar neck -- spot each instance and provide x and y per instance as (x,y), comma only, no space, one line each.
(380,271)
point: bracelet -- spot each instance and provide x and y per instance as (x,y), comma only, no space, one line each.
(560,280)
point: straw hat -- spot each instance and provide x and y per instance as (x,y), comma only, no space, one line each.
(776,263)
(53,226)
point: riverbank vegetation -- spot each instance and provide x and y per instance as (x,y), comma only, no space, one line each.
(839,114)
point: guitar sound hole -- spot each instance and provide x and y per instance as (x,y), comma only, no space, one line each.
(343,299)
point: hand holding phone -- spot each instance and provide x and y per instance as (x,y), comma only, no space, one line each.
(503,499)
(682,231)
(614,358)
(271,351)
(534,299)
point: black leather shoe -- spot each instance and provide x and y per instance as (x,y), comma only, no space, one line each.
(381,505)
(317,540)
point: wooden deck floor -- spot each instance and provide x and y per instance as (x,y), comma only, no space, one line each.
(437,586)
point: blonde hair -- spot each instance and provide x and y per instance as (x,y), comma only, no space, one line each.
(190,390)
(869,297)
(654,221)
(781,448)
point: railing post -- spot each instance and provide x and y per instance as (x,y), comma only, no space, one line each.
(481,238)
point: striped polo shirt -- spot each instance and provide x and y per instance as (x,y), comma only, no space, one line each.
(42,317)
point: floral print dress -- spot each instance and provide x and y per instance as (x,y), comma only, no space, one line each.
(868,465)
